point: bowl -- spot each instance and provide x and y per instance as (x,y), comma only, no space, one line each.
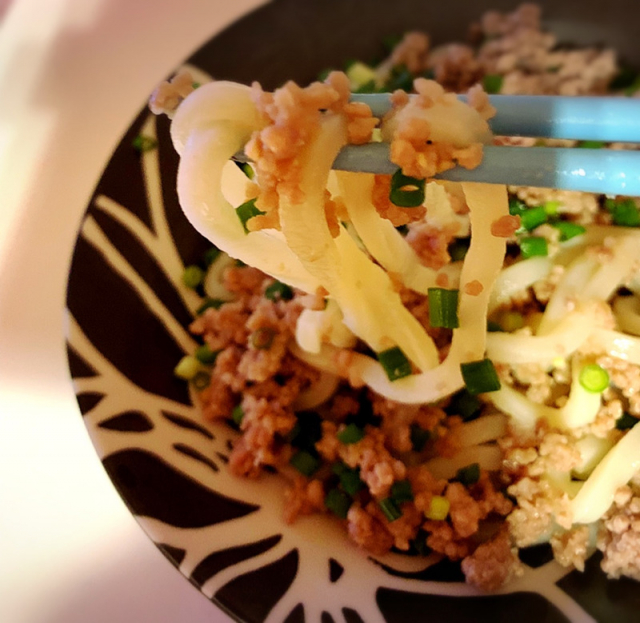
(128,327)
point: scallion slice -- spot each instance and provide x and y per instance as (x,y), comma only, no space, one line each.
(395,363)
(350,434)
(192,276)
(443,308)
(350,480)
(480,376)
(594,378)
(262,338)
(532,246)
(517,207)
(201,380)
(279,291)
(401,491)
(533,217)
(419,437)
(492,83)
(305,462)
(568,230)
(468,475)
(406,191)
(626,421)
(205,355)
(465,405)
(237,415)
(390,509)
(209,303)
(187,367)
(338,502)
(591,144)
(211,255)
(438,508)
(144,143)
(625,213)
(247,211)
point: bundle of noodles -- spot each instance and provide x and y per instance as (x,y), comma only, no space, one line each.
(340,239)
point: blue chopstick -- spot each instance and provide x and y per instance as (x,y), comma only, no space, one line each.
(605,119)
(605,171)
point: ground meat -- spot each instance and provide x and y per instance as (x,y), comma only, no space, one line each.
(386,209)
(493,564)
(168,95)
(455,67)
(412,52)
(304,497)
(431,244)
(378,468)
(293,114)
(412,148)
(368,531)
(571,548)
(619,539)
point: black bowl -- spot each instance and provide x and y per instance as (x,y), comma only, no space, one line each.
(127,331)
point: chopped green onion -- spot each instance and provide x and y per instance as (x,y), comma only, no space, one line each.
(625,213)
(468,475)
(211,255)
(419,437)
(480,376)
(350,434)
(533,217)
(237,415)
(360,74)
(399,78)
(401,491)
(591,144)
(205,355)
(247,211)
(349,478)
(367,87)
(625,78)
(395,363)
(239,264)
(626,421)
(262,338)
(443,308)
(517,207)
(144,143)
(209,303)
(390,509)
(192,276)
(187,367)
(438,508)
(338,502)
(551,207)
(305,462)
(324,74)
(493,326)
(406,191)
(465,405)
(279,291)
(568,230)
(419,544)
(532,246)
(492,83)
(201,380)
(594,378)
(246,168)
(458,249)
(195,85)
(511,321)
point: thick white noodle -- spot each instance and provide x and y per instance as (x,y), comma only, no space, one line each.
(618,466)
(489,457)
(517,278)
(616,344)
(565,338)
(380,237)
